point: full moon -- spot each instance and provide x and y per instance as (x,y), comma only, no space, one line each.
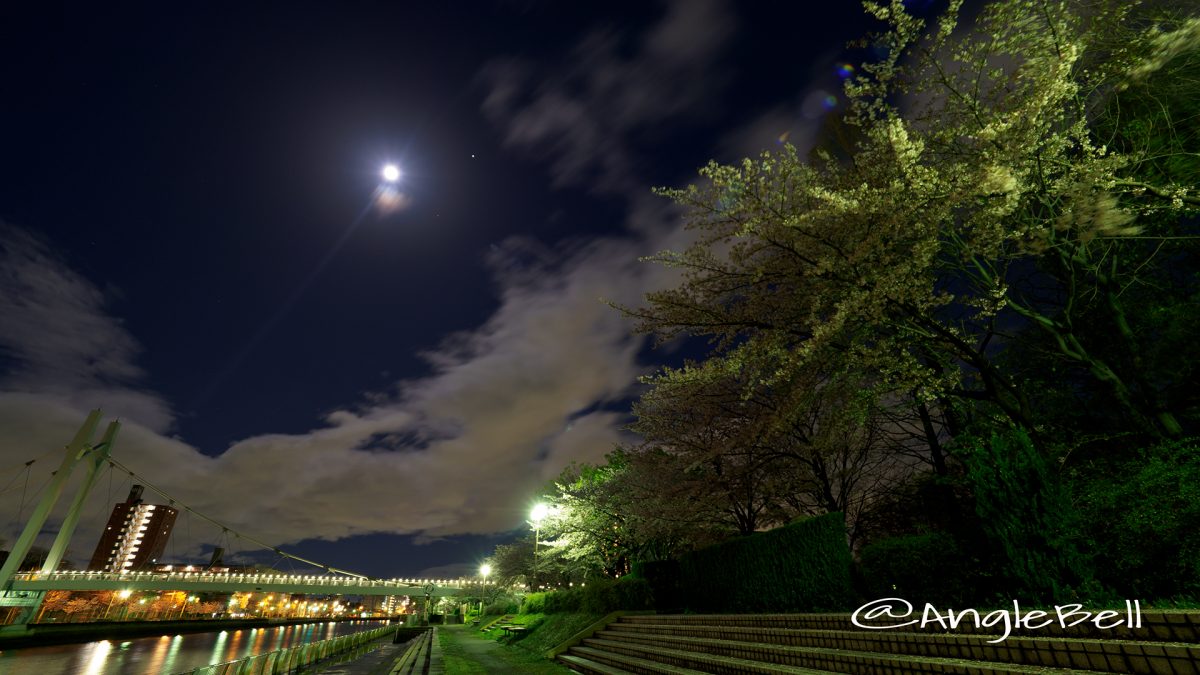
(391,173)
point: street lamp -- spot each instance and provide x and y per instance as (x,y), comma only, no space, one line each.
(484,570)
(537,516)
(123,595)
(183,607)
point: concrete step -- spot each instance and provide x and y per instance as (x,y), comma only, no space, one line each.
(486,626)
(1150,625)
(712,657)
(622,663)
(778,644)
(580,664)
(416,657)
(701,661)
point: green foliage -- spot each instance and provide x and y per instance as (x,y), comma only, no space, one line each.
(1143,525)
(625,593)
(596,597)
(533,603)
(512,563)
(920,568)
(1014,247)
(564,601)
(802,567)
(500,606)
(1026,517)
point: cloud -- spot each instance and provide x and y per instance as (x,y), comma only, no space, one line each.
(57,336)
(499,414)
(462,450)
(504,407)
(452,571)
(581,114)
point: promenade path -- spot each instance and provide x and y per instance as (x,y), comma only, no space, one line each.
(376,662)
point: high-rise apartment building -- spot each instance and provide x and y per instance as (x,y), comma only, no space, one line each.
(136,535)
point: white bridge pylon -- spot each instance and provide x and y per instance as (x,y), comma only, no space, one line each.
(27,590)
(70,580)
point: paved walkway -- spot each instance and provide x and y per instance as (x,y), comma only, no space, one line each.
(377,662)
(460,642)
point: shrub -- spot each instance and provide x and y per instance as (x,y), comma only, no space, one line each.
(501,606)
(596,597)
(534,603)
(558,602)
(1143,521)
(801,567)
(920,568)
(625,593)
(1026,516)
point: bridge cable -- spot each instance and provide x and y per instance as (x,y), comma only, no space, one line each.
(25,489)
(21,508)
(247,537)
(21,466)
(174,540)
(16,477)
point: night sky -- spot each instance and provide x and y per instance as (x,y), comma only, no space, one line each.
(193,240)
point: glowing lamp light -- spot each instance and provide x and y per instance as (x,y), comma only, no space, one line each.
(391,173)
(485,570)
(539,513)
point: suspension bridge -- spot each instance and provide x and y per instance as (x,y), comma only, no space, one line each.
(27,589)
(71,580)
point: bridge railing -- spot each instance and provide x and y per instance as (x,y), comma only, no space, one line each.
(290,658)
(318,580)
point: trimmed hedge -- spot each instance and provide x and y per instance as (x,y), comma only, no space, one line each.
(801,567)
(597,597)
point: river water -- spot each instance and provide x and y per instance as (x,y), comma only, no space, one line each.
(169,653)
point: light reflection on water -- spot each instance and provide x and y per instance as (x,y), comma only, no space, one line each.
(168,654)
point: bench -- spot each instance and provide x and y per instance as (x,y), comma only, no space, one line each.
(513,630)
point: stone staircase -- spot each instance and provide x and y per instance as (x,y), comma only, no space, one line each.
(1166,643)
(421,655)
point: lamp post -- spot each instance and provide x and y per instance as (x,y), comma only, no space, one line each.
(484,570)
(123,595)
(183,607)
(537,515)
